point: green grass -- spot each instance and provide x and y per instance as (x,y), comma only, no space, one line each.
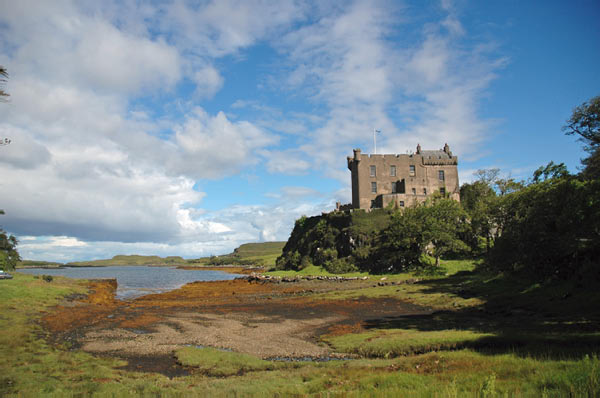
(389,343)
(259,249)
(447,267)
(549,350)
(258,254)
(29,364)
(219,363)
(313,270)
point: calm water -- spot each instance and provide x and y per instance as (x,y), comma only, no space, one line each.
(135,281)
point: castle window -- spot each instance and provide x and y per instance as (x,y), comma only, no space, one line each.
(424,191)
(411,170)
(373,186)
(441,175)
(394,187)
(393,171)
(373,171)
(401,203)
(443,191)
(414,190)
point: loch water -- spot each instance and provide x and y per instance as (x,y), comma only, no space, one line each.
(138,280)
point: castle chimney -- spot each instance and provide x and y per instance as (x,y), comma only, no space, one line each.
(446,148)
(357,155)
(418,149)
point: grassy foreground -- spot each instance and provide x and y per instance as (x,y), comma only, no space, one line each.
(501,338)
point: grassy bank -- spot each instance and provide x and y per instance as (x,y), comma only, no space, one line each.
(131,260)
(490,336)
(249,254)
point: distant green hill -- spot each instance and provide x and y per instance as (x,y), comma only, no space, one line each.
(131,260)
(258,254)
(36,263)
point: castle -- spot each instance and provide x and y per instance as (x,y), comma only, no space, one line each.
(401,180)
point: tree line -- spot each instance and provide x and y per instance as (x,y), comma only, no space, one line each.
(547,226)
(8,243)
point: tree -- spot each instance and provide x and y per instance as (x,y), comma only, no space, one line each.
(551,229)
(445,222)
(551,170)
(8,250)
(478,199)
(487,176)
(401,244)
(585,122)
(3,77)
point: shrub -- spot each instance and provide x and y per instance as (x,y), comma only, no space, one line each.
(340,266)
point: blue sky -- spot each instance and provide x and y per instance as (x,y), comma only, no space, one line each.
(188,128)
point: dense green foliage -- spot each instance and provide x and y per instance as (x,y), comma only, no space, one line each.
(585,122)
(552,228)
(380,241)
(339,242)
(9,256)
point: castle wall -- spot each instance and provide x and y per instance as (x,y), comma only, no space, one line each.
(412,184)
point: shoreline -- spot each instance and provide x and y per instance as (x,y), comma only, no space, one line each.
(230,269)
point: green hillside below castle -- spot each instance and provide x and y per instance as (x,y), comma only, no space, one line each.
(339,242)
(261,254)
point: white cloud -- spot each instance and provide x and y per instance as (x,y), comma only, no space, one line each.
(425,92)
(299,192)
(211,147)
(208,81)
(24,151)
(94,170)
(62,43)
(286,162)
(218,28)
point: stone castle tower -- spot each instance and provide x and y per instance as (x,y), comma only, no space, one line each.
(378,180)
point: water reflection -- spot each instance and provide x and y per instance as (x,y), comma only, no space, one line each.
(135,281)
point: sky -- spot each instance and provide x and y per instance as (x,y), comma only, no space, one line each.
(190,127)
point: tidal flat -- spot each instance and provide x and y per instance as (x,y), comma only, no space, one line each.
(467,333)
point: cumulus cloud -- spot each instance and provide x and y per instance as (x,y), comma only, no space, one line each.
(62,43)
(102,173)
(211,147)
(92,169)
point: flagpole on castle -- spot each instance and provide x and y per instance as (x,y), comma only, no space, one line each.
(375,131)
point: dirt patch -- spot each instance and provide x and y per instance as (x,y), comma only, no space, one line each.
(257,335)
(164,364)
(263,319)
